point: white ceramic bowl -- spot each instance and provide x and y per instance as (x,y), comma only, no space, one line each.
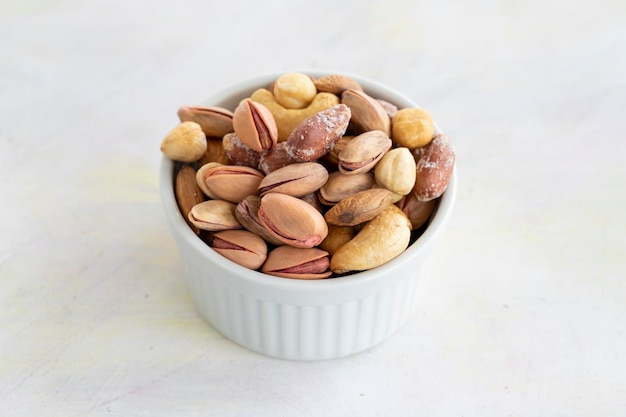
(302,319)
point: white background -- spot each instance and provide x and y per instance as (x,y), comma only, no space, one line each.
(525,313)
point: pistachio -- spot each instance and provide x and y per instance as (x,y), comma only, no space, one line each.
(434,168)
(255,126)
(239,153)
(359,207)
(336,84)
(201,173)
(367,113)
(363,152)
(340,185)
(332,157)
(294,90)
(186,142)
(318,133)
(288,119)
(296,179)
(292,221)
(214,121)
(412,127)
(417,211)
(396,171)
(214,215)
(298,263)
(232,182)
(242,247)
(379,241)
(247,213)
(188,194)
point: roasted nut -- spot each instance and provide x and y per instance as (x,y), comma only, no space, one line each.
(292,221)
(332,157)
(340,185)
(238,153)
(318,133)
(275,158)
(186,142)
(434,168)
(288,119)
(337,237)
(336,84)
(201,173)
(232,182)
(214,121)
(396,171)
(417,211)
(390,108)
(313,200)
(298,263)
(214,152)
(294,90)
(367,113)
(359,207)
(379,241)
(412,128)
(247,213)
(214,215)
(254,125)
(296,179)
(188,194)
(242,247)
(363,152)
(335,180)
(395,196)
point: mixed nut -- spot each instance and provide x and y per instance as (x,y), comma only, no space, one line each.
(308,178)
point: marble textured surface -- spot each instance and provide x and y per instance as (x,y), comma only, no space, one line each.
(525,314)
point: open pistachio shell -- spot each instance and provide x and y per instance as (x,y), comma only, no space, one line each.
(255,125)
(247,212)
(292,220)
(241,246)
(214,215)
(232,182)
(363,152)
(214,121)
(298,263)
(340,185)
(296,179)
(367,112)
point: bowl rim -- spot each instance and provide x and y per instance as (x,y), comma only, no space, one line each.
(380,275)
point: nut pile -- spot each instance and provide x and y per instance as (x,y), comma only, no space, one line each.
(308,178)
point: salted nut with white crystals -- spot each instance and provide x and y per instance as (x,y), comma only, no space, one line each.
(308,177)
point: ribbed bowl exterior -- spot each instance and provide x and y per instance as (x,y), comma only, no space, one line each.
(299,331)
(302,319)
